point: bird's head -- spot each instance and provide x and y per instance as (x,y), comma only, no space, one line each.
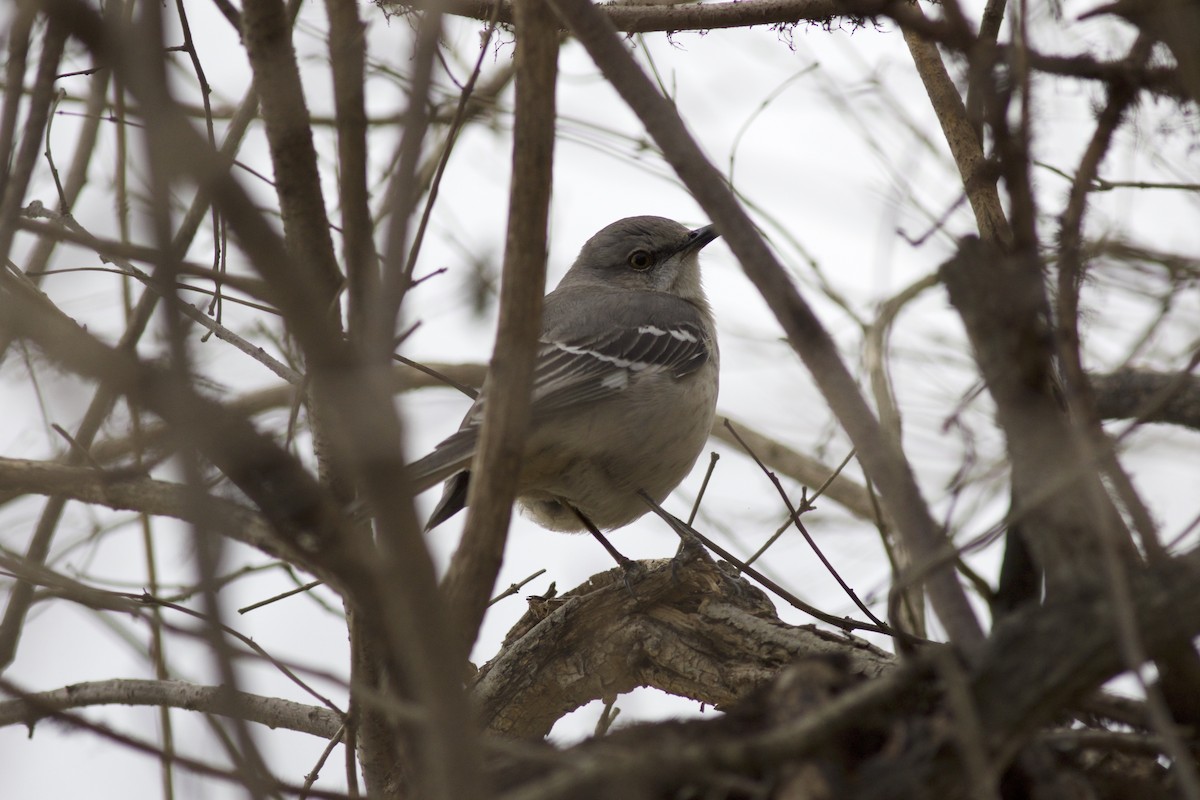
(644,253)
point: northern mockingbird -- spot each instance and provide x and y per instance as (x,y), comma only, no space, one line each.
(624,387)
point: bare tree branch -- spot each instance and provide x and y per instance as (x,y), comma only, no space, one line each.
(799,467)
(1147,396)
(962,137)
(271,711)
(694,630)
(123,490)
(497,466)
(266,32)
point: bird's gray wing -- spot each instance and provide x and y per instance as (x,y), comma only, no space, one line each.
(596,343)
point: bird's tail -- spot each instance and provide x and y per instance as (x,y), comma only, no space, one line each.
(448,462)
(454,499)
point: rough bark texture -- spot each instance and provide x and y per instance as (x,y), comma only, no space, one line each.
(694,629)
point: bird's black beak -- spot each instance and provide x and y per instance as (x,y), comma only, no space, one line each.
(697,239)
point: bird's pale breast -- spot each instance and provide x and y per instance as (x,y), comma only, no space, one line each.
(648,440)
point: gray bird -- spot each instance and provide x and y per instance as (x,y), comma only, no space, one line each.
(624,387)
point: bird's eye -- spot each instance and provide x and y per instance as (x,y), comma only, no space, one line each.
(640,260)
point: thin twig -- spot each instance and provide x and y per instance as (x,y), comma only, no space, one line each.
(315,772)
(794,515)
(469,391)
(683,529)
(282,596)
(712,465)
(223,333)
(77,447)
(460,113)
(513,588)
(806,503)
(147,599)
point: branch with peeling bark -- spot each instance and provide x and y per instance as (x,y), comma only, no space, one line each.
(823,723)
(692,629)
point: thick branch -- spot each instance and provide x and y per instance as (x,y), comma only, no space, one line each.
(1171,397)
(826,722)
(696,631)
(1041,659)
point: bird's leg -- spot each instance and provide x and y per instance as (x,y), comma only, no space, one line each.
(629,567)
(621,560)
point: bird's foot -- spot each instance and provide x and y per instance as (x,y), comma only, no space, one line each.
(632,572)
(690,550)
